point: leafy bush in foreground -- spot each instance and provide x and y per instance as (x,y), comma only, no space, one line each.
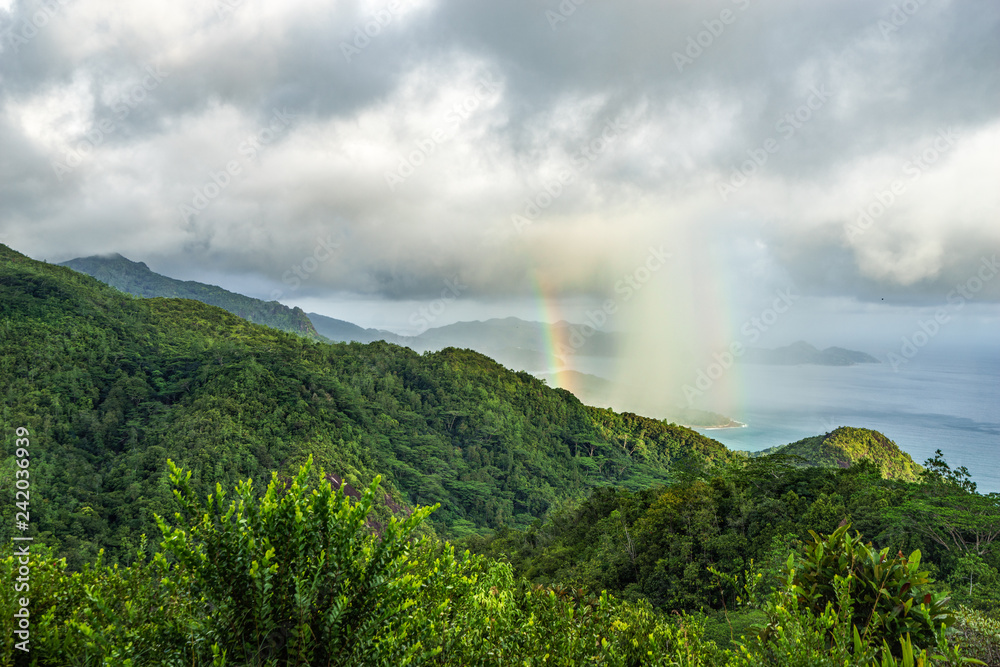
(302,576)
(890,597)
(980,635)
(295,576)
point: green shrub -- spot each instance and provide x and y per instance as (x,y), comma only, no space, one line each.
(799,636)
(727,628)
(979,635)
(502,620)
(890,597)
(298,576)
(796,636)
(128,615)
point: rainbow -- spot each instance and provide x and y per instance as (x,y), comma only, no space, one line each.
(548,316)
(716,324)
(677,328)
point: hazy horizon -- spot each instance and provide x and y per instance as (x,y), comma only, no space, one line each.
(811,322)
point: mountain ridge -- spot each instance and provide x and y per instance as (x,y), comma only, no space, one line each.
(137,279)
(515,343)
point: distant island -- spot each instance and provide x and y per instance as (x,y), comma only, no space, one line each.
(803,353)
(732,423)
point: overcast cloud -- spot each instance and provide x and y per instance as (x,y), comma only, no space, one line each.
(237,139)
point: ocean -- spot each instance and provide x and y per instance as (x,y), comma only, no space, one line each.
(948,401)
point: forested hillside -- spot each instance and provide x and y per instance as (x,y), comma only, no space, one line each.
(113,386)
(844,446)
(719,541)
(137,279)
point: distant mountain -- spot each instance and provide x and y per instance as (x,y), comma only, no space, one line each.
(560,338)
(506,332)
(844,446)
(341,331)
(513,342)
(804,353)
(137,279)
(523,342)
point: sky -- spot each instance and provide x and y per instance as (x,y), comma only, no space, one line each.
(828,170)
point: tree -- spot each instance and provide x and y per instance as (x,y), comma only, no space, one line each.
(298,575)
(947,509)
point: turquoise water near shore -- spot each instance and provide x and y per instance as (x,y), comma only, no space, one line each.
(948,401)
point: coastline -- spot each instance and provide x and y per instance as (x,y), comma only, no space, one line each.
(731,424)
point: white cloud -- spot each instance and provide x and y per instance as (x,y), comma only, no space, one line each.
(394,106)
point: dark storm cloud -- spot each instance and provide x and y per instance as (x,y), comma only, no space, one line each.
(479,109)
